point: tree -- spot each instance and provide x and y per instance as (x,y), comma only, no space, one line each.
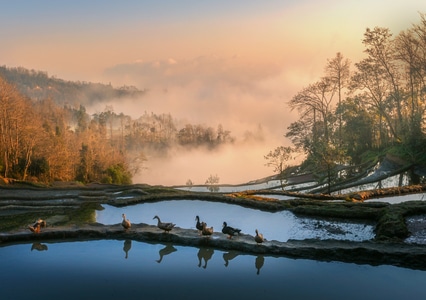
(370,82)
(30,136)
(381,56)
(212,183)
(18,131)
(357,130)
(82,119)
(410,50)
(84,168)
(278,159)
(117,174)
(189,183)
(325,157)
(315,129)
(337,70)
(315,103)
(300,134)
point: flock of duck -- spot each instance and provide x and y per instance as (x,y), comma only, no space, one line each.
(201,227)
(168,226)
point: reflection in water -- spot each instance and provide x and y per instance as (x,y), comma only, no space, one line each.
(126,247)
(206,254)
(73,269)
(260,260)
(227,256)
(166,251)
(39,247)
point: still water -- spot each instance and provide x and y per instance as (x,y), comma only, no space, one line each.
(113,269)
(279,226)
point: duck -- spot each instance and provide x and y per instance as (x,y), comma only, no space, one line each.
(42,222)
(199,226)
(206,230)
(230,231)
(164,226)
(259,239)
(36,227)
(125,223)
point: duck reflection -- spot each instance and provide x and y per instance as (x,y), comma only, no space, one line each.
(166,251)
(227,256)
(39,247)
(260,260)
(206,254)
(126,247)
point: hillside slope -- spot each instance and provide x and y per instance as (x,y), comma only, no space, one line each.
(38,85)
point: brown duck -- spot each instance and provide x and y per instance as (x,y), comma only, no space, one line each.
(36,227)
(206,230)
(259,239)
(125,223)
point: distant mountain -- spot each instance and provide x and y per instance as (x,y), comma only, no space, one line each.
(38,85)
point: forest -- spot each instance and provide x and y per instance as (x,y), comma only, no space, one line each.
(48,139)
(374,107)
(353,112)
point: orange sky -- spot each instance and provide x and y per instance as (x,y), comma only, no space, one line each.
(81,41)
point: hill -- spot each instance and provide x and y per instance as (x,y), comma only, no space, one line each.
(38,85)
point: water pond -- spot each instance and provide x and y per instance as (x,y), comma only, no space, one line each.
(117,269)
(280,226)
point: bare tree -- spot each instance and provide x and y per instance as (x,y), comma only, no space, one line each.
(17,141)
(337,70)
(380,48)
(278,159)
(212,183)
(370,82)
(315,102)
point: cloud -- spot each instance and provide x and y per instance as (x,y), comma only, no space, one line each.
(212,70)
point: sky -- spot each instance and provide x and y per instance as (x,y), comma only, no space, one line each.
(235,63)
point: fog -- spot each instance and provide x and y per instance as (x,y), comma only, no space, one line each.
(247,99)
(211,90)
(233,164)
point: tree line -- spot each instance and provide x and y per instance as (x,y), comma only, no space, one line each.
(38,85)
(377,106)
(41,140)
